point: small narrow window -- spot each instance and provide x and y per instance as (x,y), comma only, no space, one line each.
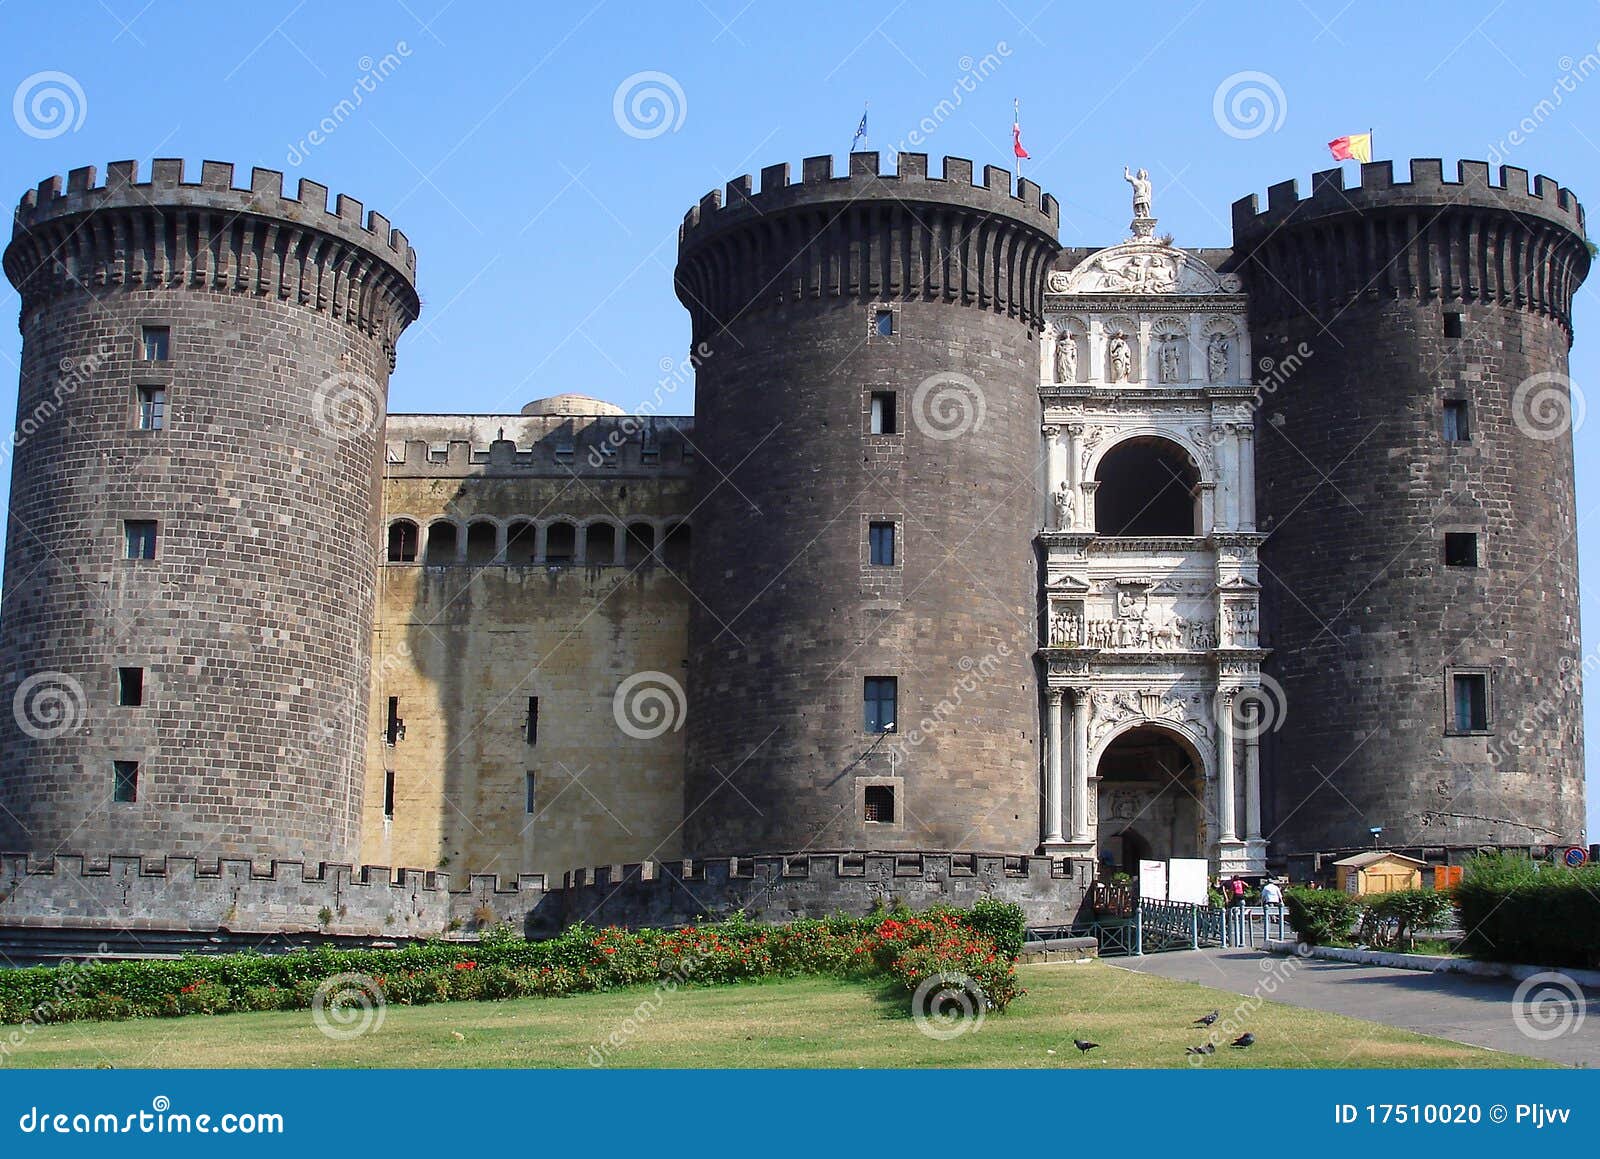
(394,728)
(438,452)
(883,323)
(154,343)
(152,408)
(881,540)
(403,541)
(530,800)
(564,452)
(125,782)
(879,804)
(1456,427)
(130,687)
(531,726)
(139,538)
(879,694)
(1460,549)
(1470,701)
(388,795)
(883,416)
(1453,325)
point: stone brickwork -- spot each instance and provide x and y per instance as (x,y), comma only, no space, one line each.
(251,623)
(784,287)
(1376,305)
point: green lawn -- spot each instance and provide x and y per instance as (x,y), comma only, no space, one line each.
(1139,1020)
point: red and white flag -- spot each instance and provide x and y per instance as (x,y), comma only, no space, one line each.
(1016,132)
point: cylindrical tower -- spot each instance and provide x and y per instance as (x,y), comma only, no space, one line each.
(191,553)
(1414,474)
(867,417)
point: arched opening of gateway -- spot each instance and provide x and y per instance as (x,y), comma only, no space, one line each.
(1150,799)
(1147,487)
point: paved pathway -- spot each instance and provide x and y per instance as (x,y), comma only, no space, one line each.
(1454,1006)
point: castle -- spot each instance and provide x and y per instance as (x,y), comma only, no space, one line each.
(984,565)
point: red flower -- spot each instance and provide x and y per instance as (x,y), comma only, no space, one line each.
(466,965)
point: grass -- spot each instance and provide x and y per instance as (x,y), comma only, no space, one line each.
(1138,1019)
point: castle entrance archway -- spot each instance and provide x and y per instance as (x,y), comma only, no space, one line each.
(1151,788)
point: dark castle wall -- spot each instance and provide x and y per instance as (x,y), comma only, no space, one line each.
(254,621)
(1350,293)
(788,618)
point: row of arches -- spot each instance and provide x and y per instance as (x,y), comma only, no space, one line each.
(544,542)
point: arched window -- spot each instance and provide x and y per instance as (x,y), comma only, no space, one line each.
(641,543)
(1147,487)
(600,545)
(402,541)
(482,542)
(441,544)
(560,543)
(521,542)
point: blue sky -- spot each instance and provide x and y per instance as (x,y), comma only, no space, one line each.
(546,232)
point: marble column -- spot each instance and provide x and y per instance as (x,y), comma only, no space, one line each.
(1088,516)
(1053,474)
(1075,474)
(1226,823)
(1080,767)
(1052,776)
(1252,776)
(1247,477)
(1208,508)
(1230,476)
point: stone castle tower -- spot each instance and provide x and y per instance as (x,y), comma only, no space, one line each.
(192,548)
(867,416)
(1416,486)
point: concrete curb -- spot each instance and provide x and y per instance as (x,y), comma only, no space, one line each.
(1429,963)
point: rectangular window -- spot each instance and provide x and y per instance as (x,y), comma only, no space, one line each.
(1456,427)
(879,804)
(130,687)
(878,699)
(388,795)
(883,323)
(530,791)
(1460,549)
(564,452)
(531,726)
(883,416)
(1453,324)
(152,408)
(125,782)
(139,538)
(1470,701)
(394,728)
(154,343)
(880,538)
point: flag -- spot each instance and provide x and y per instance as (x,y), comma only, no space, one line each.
(1355,147)
(1016,132)
(861,132)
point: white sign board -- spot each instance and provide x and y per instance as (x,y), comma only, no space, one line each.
(1187,880)
(1153,880)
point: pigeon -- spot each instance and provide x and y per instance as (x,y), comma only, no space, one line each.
(1083,1046)
(1246,1039)
(1208,1048)
(1208,1019)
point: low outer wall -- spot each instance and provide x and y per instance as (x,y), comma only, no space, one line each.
(782,888)
(181,894)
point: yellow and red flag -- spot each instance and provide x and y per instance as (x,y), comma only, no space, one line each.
(1355,147)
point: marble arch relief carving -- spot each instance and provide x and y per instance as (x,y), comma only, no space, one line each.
(1143,267)
(1111,708)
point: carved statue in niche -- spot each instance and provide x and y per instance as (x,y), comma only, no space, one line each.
(1063,502)
(1065,629)
(1217,358)
(1120,357)
(1066,356)
(1141,190)
(1171,358)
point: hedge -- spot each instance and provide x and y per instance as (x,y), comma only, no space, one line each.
(902,947)
(1514,909)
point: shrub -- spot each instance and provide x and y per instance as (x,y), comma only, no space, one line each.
(1514,909)
(1321,916)
(1002,922)
(1394,919)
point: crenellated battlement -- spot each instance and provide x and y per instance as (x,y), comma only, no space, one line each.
(215,190)
(867,236)
(910,181)
(1427,187)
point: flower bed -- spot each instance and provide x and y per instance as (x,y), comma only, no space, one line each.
(902,946)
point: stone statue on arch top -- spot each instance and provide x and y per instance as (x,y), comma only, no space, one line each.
(1141,190)
(1119,356)
(1066,356)
(1171,359)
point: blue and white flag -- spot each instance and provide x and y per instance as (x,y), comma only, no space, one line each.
(861,132)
